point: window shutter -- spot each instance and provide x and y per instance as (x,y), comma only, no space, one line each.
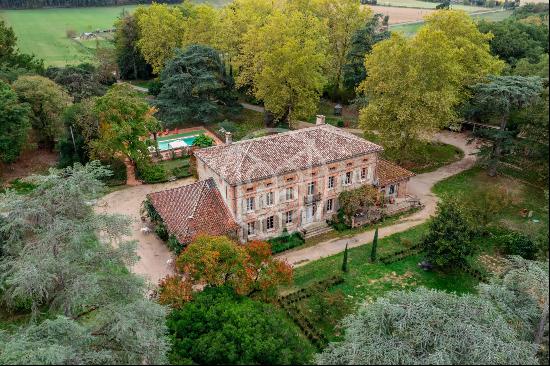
(260,201)
(256,226)
(245,233)
(282,196)
(264,225)
(244,206)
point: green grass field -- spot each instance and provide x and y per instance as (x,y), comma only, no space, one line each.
(410,29)
(426,5)
(43,31)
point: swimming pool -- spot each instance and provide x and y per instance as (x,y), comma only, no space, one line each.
(176,143)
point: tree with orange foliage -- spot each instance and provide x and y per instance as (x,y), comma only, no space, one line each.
(216,261)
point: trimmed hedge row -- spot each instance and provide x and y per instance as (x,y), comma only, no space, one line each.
(288,303)
(402,254)
(285,242)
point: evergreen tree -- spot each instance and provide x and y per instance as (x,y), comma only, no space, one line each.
(345,260)
(131,63)
(195,86)
(14,124)
(374,246)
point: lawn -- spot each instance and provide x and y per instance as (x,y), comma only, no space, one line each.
(244,125)
(426,157)
(43,31)
(366,281)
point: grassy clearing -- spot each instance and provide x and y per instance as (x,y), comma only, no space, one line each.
(366,281)
(522,196)
(184,134)
(427,5)
(245,125)
(426,157)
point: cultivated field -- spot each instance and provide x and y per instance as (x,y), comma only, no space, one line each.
(402,15)
(427,5)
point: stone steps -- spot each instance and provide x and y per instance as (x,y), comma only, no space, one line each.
(315,229)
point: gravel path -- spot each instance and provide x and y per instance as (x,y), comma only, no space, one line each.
(419,185)
(153,253)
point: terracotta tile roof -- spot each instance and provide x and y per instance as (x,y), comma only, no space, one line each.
(273,155)
(193,209)
(389,173)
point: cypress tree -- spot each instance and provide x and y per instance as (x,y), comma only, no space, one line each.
(345,261)
(374,245)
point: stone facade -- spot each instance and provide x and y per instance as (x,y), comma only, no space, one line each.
(277,197)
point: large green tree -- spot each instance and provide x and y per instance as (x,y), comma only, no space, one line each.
(63,259)
(220,327)
(9,53)
(514,39)
(449,239)
(284,61)
(15,124)
(500,97)
(81,81)
(361,44)
(131,64)
(126,122)
(415,85)
(195,87)
(47,101)
(429,327)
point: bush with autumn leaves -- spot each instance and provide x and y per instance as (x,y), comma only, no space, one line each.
(215,261)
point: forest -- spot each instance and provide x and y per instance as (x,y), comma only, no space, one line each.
(37,4)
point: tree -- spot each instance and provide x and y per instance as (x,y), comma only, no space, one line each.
(521,295)
(449,238)
(202,25)
(10,55)
(216,261)
(501,96)
(126,122)
(361,44)
(345,260)
(357,200)
(344,18)
(14,119)
(374,246)
(283,63)
(55,261)
(514,40)
(80,81)
(131,64)
(234,330)
(428,327)
(415,85)
(161,31)
(526,68)
(47,101)
(195,86)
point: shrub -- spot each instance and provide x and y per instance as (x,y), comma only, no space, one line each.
(203,140)
(154,87)
(118,168)
(161,231)
(285,242)
(174,245)
(70,33)
(228,126)
(338,221)
(151,173)
(516,243)
(181,171)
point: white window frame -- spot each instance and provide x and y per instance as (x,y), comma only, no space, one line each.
(289,193)
(391,189)
(331,182)
(250,228)
(311,188)
(270,223)
(330,205)
(250,204)
(269,199)
(288,217)
(346,176)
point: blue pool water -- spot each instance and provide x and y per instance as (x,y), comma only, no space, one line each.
(164,144)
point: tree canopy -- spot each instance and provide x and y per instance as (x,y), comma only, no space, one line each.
(81,81)
(55,261)
(283,62)
(47,101)
(415,85)
(428,327)
(195,86)
(14,119)
(220,327)
(125,124)
(131,64)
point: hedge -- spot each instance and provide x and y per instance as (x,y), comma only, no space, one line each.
(285,242)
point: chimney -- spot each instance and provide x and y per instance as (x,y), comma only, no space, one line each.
(320,120)
(228,138)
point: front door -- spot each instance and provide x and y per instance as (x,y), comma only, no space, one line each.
(310,212)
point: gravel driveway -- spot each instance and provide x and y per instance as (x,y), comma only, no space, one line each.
(419,186)
(153,253)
